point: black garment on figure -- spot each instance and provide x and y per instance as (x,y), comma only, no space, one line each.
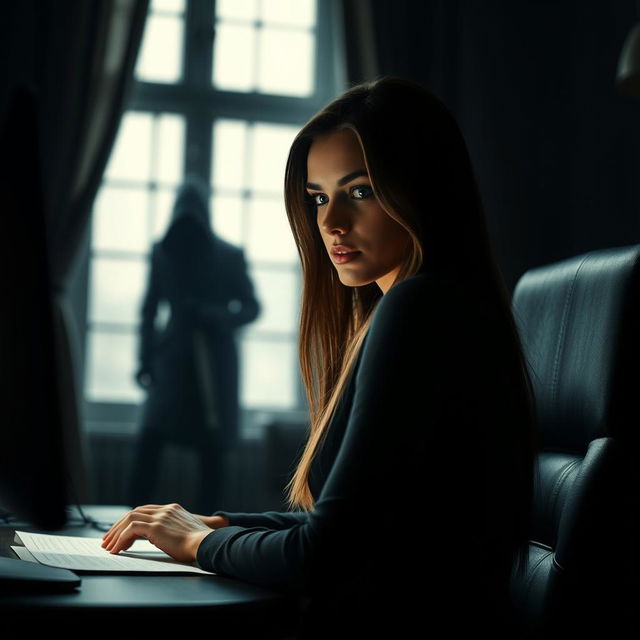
(411,530)
(193,363)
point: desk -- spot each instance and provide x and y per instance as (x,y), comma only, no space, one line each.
(120,602)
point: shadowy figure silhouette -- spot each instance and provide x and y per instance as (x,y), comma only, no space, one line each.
(190,367)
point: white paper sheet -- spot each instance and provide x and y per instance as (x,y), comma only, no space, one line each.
(24,554)
(87,554)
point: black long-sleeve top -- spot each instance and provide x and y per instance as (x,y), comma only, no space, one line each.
(411,487)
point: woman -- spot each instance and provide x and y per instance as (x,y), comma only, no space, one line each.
(413,493)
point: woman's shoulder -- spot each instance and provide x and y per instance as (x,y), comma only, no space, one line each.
(436,308)
(427,295)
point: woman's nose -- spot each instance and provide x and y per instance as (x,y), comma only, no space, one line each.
(335,219)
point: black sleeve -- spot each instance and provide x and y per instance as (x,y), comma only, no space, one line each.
(243,307)
(379,469)
(245,295)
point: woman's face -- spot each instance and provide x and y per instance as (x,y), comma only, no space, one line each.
(364,243)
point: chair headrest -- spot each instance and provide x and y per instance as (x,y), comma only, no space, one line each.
(578,323)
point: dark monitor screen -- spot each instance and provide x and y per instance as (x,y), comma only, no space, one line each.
(32,464)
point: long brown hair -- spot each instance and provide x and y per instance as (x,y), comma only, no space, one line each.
(422,176)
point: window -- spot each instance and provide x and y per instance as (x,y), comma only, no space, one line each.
(266,47)
(248,210)
(160,57)
(131,211)
(222,88)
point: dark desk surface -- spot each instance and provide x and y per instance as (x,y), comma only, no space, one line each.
(150,600)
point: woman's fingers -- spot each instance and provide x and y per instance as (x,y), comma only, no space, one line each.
(120,536)
(147,508)
(169,527)
(139,508)
(116,529)
(140,514)
(107,537)
(130,534)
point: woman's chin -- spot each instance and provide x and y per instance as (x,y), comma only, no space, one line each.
(351,280)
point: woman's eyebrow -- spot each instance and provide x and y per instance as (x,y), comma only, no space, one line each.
(348,178)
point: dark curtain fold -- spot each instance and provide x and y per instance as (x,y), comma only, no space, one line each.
(532,85)
(76,60)
(94,69)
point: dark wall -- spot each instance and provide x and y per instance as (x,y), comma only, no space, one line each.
(532,83)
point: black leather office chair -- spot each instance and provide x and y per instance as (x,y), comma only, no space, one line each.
(579,323)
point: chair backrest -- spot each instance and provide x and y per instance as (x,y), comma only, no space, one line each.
(578,321)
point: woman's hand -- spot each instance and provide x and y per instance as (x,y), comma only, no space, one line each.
(213,522)
(169,527)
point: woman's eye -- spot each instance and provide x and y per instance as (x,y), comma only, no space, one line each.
(362,192)
(318,199)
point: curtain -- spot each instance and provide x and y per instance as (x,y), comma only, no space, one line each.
(71,68)
(417,40)
(532,86)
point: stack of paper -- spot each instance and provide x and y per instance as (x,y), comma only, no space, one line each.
(87,555)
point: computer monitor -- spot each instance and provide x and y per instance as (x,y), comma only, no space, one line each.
(33,486)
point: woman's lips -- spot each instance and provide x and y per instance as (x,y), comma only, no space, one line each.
(342,253)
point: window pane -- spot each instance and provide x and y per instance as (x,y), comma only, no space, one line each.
(270,146)
(226,212)
(234,56)
(237,9)
(301,13)
(111,362)
(131,155)
(267,374)
(117,287)
(229,145)
(170,150)
(285,64)
(270,236)
(160,58)
(121,219)
(278,296)
(164,200)
(168,6)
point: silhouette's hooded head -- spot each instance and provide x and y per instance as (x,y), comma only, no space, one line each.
(189,241)
(191,203)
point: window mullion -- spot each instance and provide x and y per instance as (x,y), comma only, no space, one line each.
(198,145)
(198,60)
(199,35)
